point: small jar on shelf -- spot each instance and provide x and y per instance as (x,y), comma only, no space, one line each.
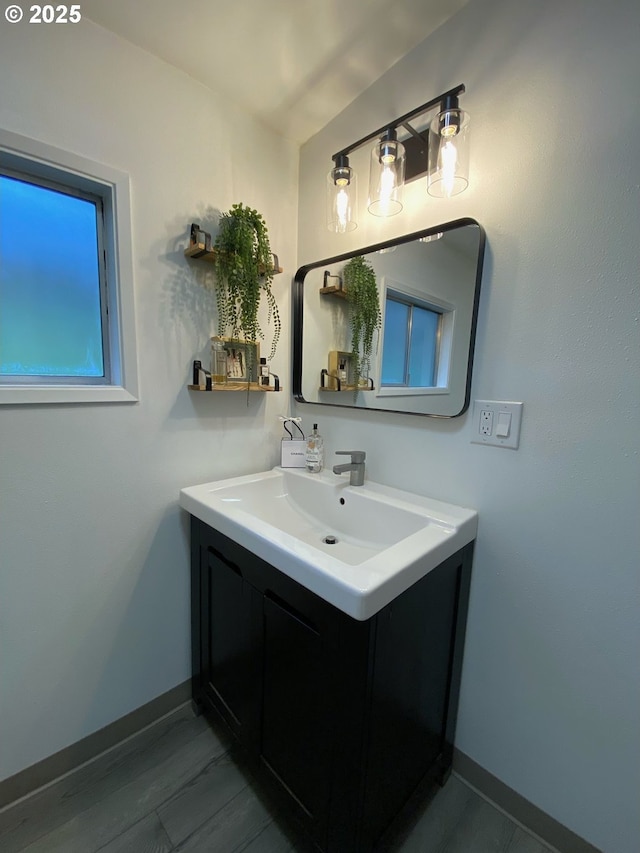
(218,363)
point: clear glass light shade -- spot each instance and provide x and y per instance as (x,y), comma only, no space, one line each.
(342,200)
(448,154)
(386,178)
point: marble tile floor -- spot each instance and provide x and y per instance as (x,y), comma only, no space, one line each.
(179,787)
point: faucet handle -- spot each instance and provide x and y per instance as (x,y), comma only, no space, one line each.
(357,456)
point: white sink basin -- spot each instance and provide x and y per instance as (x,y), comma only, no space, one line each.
(385,539)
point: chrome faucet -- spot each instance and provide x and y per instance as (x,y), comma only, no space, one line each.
(355,467)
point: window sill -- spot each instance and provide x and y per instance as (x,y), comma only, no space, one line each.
(20,395)
(417,391)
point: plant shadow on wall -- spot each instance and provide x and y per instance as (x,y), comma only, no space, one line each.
(188,314)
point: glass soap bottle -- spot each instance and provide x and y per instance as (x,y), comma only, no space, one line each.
(218,363)
(314,456)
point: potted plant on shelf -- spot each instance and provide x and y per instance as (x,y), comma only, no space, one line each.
(365,317)
(244,268)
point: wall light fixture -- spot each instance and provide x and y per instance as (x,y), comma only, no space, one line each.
(342,197)
(439,150)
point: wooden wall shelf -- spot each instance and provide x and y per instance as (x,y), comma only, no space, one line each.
(333,290)
(199,252)
(330,382)
(235,386)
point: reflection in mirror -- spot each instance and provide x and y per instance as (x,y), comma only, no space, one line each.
(428,289)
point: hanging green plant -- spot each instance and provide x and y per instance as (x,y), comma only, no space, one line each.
(365,316)
(244,272)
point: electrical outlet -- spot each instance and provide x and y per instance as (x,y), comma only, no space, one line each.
(486,422)
(497,423)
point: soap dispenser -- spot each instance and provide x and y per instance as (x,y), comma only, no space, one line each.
(314,456)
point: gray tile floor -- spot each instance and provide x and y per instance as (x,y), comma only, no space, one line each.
(178,787)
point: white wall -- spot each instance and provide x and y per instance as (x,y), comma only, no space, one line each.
(550,695)
(94,584)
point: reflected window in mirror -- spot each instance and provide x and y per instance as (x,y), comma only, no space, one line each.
(417,342)
(410,346)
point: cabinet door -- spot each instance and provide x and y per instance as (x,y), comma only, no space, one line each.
(414,642)
(297,712)
(230,652)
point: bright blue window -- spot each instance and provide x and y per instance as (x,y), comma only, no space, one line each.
(394,355)
(52,304)
(414,364)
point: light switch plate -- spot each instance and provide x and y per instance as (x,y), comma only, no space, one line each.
(486,416)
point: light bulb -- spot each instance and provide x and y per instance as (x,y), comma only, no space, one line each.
(448,154)
(342,209)
(448,162)
(341,197)
(386,177)
(387,187)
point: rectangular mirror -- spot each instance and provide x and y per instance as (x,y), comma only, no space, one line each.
(428,288)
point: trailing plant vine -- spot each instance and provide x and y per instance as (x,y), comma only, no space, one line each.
(244,272)
(365,315)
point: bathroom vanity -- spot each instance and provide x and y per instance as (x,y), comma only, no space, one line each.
(343,718)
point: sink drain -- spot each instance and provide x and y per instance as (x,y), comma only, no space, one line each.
(330,540)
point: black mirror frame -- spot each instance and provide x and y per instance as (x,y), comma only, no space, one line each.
(298,313)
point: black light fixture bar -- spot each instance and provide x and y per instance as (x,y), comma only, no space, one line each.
(411,129)
(444,100)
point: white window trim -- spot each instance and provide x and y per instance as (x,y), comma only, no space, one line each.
(45,161)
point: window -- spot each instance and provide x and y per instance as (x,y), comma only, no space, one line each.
(52,323)
(414,364)
(66,296)
(417,342)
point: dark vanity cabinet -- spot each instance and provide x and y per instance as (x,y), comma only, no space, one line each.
(343,720)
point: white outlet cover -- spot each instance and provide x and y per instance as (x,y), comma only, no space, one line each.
(496,407)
